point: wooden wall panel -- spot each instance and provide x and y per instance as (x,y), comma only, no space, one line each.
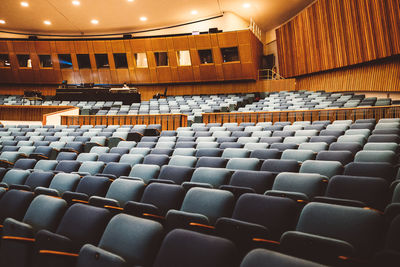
(332,34)
(382,75)
(246,42)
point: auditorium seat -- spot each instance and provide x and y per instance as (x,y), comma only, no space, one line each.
(68,239)
(45,165)
(24,164)
(113,170)
(250,164)
(67,166)
(325,168)
(126,241)
(351,232)
(299,155)
(201,205)
(357,191)
(208,177)
(60,183)
(258,217)
(14,176)
(344,157)
(371,169)
(146,172)
(186,248)
(298,186)
(88,186)
(120,191)
(44,212)
(264,258)
(34,180)
(14,203)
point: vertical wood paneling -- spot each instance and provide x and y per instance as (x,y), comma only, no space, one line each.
(383,75)
(332,34)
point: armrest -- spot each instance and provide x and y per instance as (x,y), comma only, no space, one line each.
(391,211)
(90,255)
(4,185)
(237,191)
(338,201)
(68,149)
(188,185)
(138,209)
(20,187)
(131,178)
(46,191)
(180,219)
(13,229)
(49,241)
(240,231)
(38,156)
(81,174)
(316,248)
(160,181)
(296,196)
(102,201)
(72,197)
(110,176)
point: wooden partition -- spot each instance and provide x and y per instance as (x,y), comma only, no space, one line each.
(306,115)
(28,113)
(167,121)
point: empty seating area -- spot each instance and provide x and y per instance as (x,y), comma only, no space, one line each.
(307,192)
(308,100)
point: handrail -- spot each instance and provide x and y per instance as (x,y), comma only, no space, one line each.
(306,115)
(269,74)
(167,121)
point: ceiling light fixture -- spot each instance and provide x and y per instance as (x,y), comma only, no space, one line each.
(143,18)
(194,12)
(2,21)
(130,0)
(24,4)
(76,3)
(47,22)
(94,21)
(246,5)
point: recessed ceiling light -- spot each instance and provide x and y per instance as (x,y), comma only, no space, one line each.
(47,22)
(94,21)
(246,5)
(143,18)
(76,3)
(194,12)
(25,4)
(130,0)
(2,21)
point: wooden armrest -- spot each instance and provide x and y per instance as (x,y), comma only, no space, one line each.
(18,238)
(54,252)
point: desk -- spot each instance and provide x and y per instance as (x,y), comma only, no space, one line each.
(97,94)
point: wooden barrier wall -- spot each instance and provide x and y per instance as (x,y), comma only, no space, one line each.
(306,115)
(167,121)
(379,76)
(331,34)
(28,113)
(249,47)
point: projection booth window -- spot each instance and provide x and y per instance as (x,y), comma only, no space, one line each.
(102,61)
(120,61)
(206,56)
(83,61)
(5,61)
(161,58)
(230,54)
(184,58)
(65,61)
(45,61)
(141,60)
(24,61)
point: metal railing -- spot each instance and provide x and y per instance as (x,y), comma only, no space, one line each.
(269,74)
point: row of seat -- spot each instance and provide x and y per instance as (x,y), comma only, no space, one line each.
(42,232)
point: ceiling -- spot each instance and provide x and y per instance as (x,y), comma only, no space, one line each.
(118,16)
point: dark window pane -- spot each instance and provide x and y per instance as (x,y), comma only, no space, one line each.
(4,61)
(230,54)
(206,56)
(161,58)
(45,61)
(65,61)
(83,61)
(120,61)
(24,61)
(102,61)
